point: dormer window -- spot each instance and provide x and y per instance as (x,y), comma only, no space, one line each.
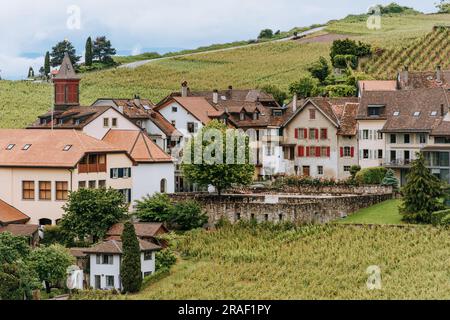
(277,113)
(256,116)
(433,113)
(10,146)
(242,116)
(417,113)
(374,110)
(67,147)
(26,147)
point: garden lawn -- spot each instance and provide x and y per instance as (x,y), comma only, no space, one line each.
(383,213)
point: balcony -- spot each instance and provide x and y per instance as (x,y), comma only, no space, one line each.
(397,163)
(92,163)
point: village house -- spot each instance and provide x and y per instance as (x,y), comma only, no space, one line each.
(38,169)
(143,114)
(320,138)
(148,231)
(105,260)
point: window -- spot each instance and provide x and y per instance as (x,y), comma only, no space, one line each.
(10,146)
(242,116)
(280,217)
(174,109)
(127,194)
(407,155)
(365,154)
(312,134)
(105,259)
(98,282)
(324,134)
(174,123)
(28,190)
(433,113)
(406,138)
(81,184)
(256,116)
(277,113)
(110,281)
(114,122)
(147,274)
(320,170)
(324,152)
(374,111)
(62,190)
(416,114)
(444,140)
(347,152)
(266,217)
(380,153)
(26,147)
(163,186)
(92,184)
(191,127)
(105,122)
(45,190)
(302,133)
(312,151)
(422,138)
(312,114)
(67,147)
(365,134)
(237,217)
(393,138)
(393,155)
(148,255)
(102,184)
(346,168)
(120,173)
(380,135)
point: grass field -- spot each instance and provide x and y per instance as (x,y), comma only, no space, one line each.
(315,262)
(270,63)
(382,213)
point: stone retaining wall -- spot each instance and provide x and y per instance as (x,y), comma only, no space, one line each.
(332,190)
(274,208)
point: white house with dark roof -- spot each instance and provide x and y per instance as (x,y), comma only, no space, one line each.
(105,260)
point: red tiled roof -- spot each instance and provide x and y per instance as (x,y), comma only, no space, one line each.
(9,214)
(115,247)
(47,148)
(377,85)
(140,147)
(23,230)
(143,229)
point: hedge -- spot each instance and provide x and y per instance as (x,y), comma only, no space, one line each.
(373,175)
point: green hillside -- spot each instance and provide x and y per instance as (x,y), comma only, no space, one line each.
(278,63)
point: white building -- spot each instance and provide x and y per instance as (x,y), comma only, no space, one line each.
(105,261)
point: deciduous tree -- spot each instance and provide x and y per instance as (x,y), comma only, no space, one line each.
(59,50)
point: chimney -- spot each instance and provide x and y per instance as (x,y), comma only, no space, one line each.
(405,75)
(294,103)
(184,89)
(439,74)
(137,100)
(442,110)
(216,97)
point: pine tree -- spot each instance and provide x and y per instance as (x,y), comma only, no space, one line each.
(47,64)
(88,53)
(421,193)
(390,180)
(59,50)
(130,269)
(103,50)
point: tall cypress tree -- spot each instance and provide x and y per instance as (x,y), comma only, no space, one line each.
(88,53)
(130,269)
(421,193)
(47,64)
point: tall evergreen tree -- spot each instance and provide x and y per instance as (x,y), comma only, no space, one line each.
(59,50)
(421,193)
(103,50)
(88,52)
(130,269)
(47,63)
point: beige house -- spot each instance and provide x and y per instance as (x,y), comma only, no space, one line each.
(38,169)
(320,138)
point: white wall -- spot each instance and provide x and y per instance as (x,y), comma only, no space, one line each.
(373,144)
(147,178)
(181,118)
(97,130)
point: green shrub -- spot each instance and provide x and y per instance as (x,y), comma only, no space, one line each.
(373,175)
(187,215)
(53,235)
(344,61)
(437,217)
(340,90)
(390,180)
(165,259)
(157,208)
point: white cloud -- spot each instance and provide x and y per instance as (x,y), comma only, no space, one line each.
(34,26)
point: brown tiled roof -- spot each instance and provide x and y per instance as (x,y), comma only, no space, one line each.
(143,229)
(140,147)
(424,79)
(78,252)
(406,103)
(377,85)
(9,214)
(115,247)
(23,230)
(199,107)
(347,119)
(47,148)
(74,118)
(164,125)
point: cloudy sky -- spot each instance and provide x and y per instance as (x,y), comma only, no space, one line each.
(29,27)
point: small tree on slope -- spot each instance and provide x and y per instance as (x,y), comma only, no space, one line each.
(421,193)
(130,269)
(390,180)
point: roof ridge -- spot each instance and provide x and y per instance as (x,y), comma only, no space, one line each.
(147,147)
